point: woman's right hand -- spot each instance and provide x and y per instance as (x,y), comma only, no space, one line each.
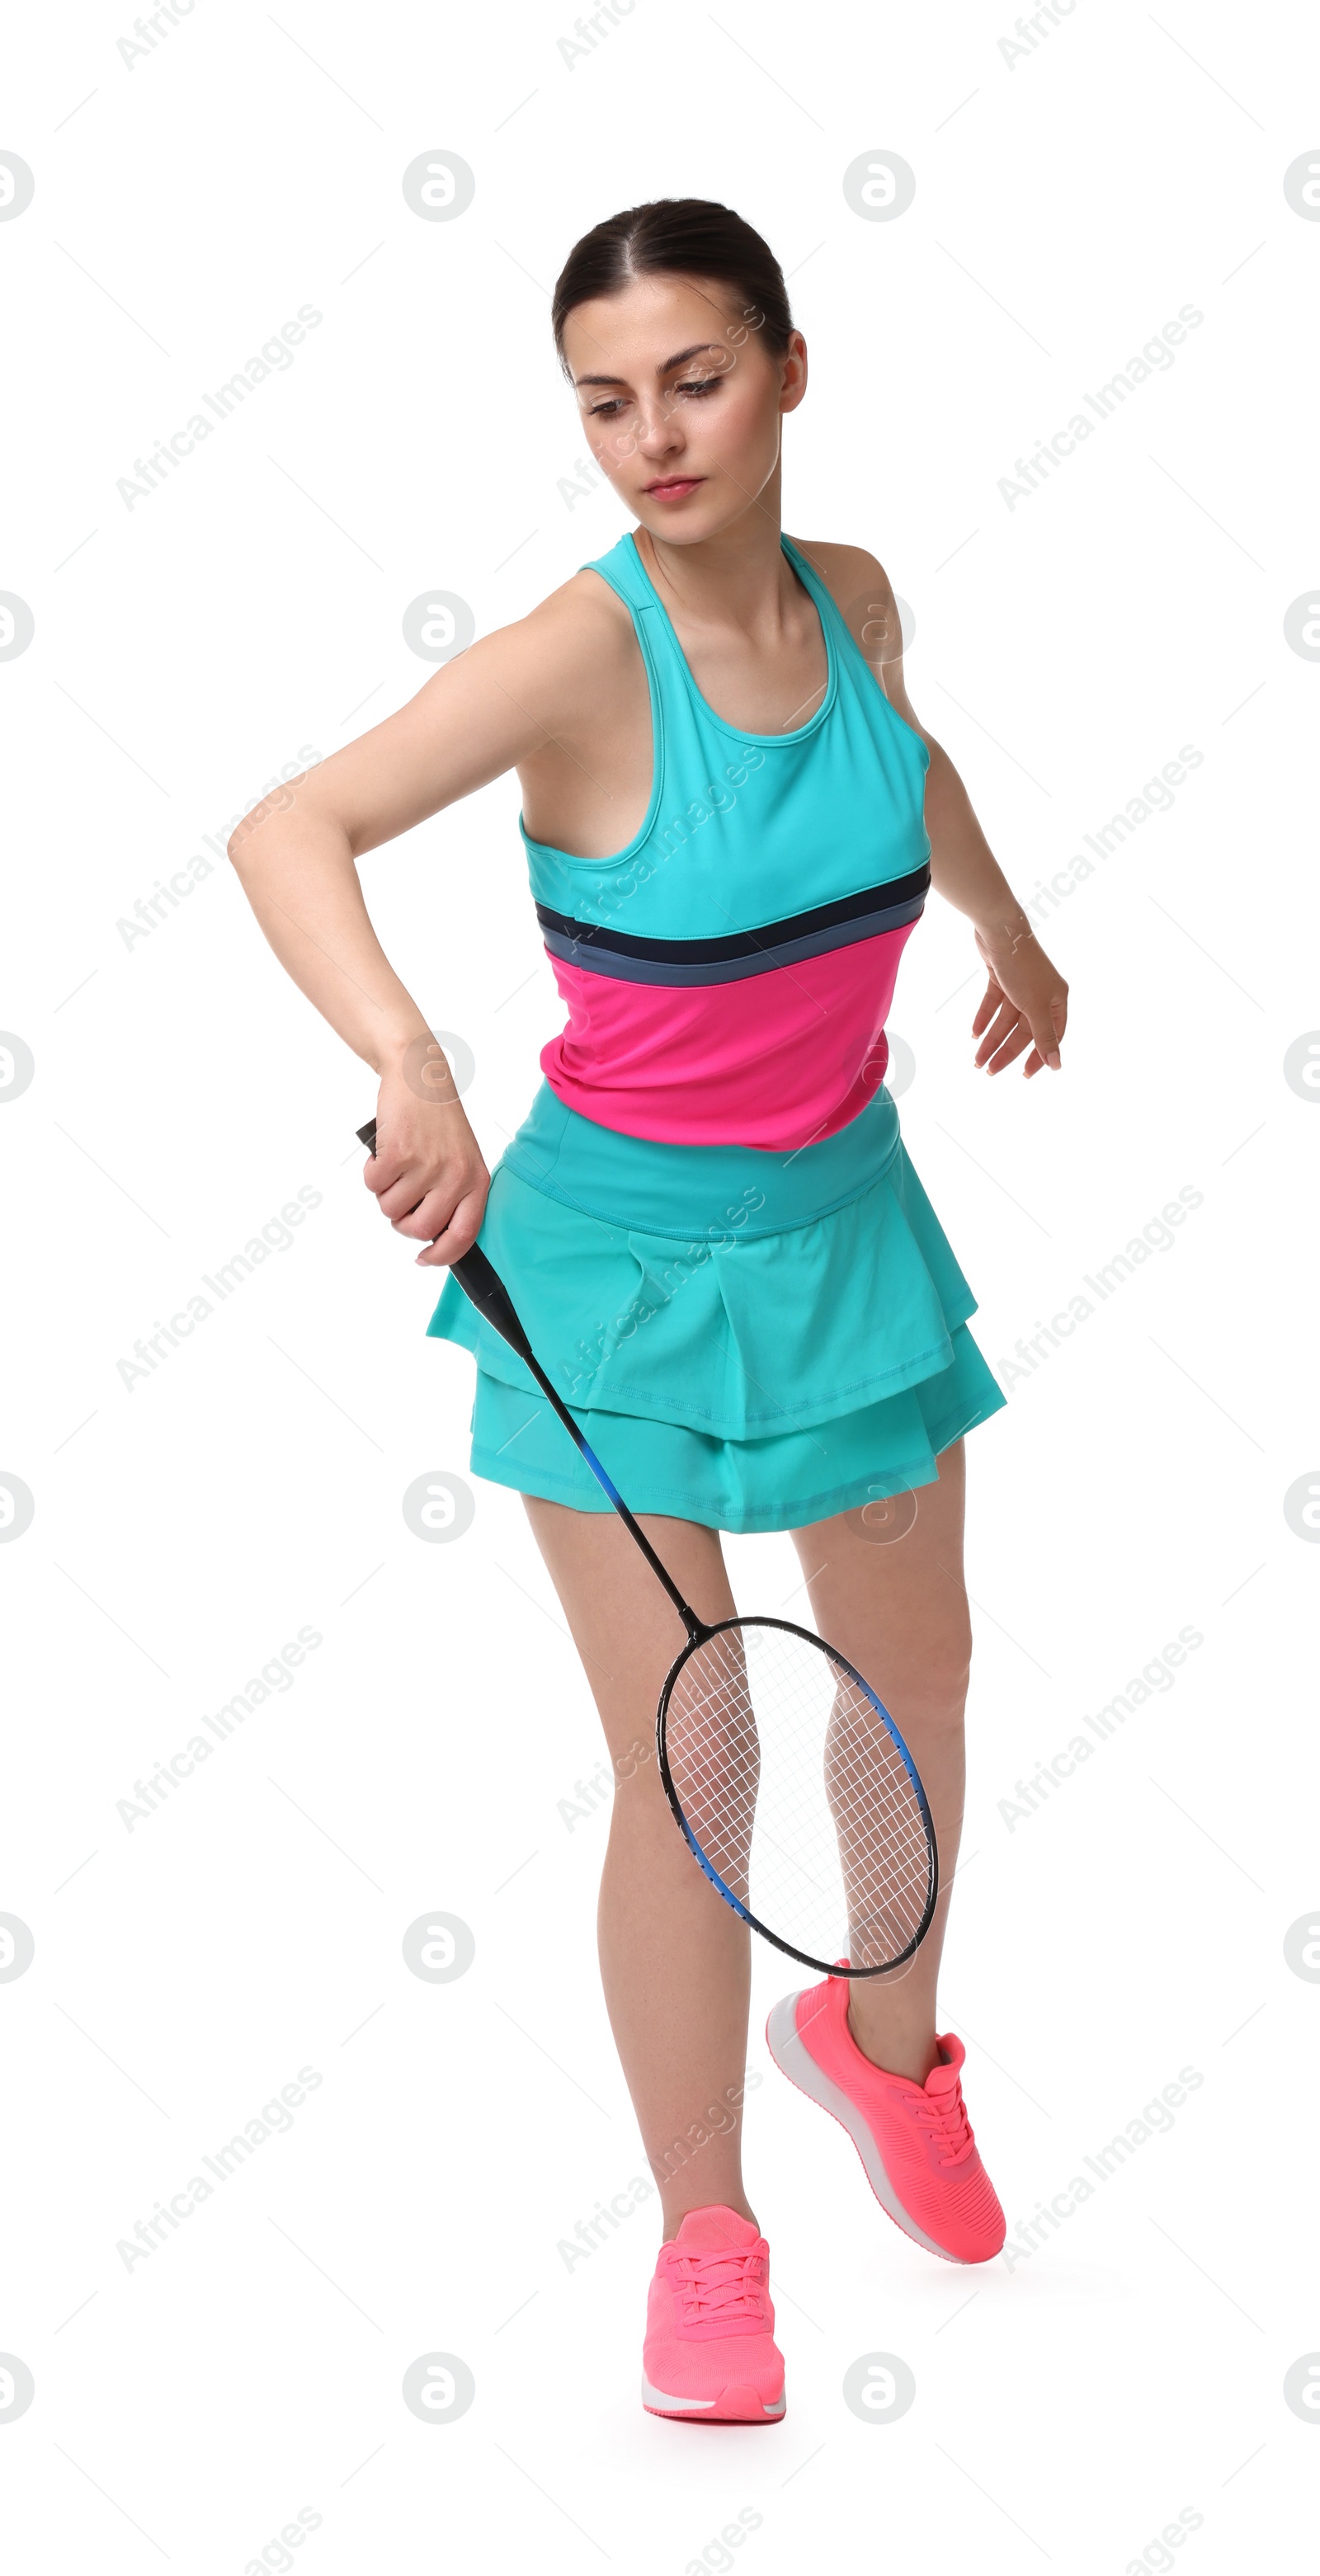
(427,1172)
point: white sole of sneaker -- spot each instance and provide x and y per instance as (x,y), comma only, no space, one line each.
(796,2062)
(740,2405)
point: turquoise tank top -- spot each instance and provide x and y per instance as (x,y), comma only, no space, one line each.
(728,974)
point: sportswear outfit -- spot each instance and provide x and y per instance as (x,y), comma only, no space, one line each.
(710,1225)
(725,1262)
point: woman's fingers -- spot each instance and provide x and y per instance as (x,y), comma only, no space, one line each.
(416,1181)
(1018,1037)
(991,1000)
(1048,1027)
(397,1188)
(458,1236)
(1004,1022)
(437,1206)
(423,1219)
(1007,1029)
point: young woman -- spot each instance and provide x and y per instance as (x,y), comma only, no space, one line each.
(709,1222)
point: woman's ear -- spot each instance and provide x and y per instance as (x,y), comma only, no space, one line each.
(793,373)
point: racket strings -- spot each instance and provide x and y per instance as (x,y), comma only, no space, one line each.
(798,1794)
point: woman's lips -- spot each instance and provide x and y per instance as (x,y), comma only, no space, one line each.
(676,488)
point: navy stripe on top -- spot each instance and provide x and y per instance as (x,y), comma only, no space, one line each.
(728,960)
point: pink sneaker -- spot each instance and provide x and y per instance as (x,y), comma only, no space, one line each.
(710,2355)
(915,2140)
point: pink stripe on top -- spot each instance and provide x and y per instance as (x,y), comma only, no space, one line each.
(776,1060)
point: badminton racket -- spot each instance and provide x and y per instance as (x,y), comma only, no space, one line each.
(786,1775)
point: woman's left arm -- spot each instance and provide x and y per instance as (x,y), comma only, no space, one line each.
(1026,998)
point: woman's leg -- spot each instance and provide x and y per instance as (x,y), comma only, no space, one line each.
(675,1961)
(887,1589)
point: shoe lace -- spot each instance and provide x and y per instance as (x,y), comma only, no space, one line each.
(945,2116)
(724,2283)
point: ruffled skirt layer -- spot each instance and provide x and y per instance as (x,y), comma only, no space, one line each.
(747,1340)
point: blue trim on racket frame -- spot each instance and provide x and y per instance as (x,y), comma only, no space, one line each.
(713,1874)
(827,1967)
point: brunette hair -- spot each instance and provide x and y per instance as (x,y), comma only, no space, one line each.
(683,236)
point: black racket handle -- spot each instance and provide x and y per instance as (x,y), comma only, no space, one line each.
(479,1281)
(491,1298)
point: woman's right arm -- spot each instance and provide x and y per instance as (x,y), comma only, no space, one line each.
(295,855)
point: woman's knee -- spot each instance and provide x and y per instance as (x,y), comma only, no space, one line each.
(930,1689)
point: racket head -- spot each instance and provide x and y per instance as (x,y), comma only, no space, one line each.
(795,1792)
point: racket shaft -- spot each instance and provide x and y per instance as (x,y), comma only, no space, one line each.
(481,1283)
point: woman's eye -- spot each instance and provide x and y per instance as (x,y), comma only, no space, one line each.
(603,410)
(704,385)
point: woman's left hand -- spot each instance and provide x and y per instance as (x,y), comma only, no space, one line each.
(1025,1004)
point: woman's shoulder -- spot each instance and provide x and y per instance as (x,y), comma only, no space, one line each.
(851,574)
(863,594)
(566,643)
(583,616)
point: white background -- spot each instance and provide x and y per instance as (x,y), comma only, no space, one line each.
(1068,203)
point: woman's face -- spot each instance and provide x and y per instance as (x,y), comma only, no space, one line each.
(681,400)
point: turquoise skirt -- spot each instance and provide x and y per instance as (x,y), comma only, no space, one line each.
(750,1340)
